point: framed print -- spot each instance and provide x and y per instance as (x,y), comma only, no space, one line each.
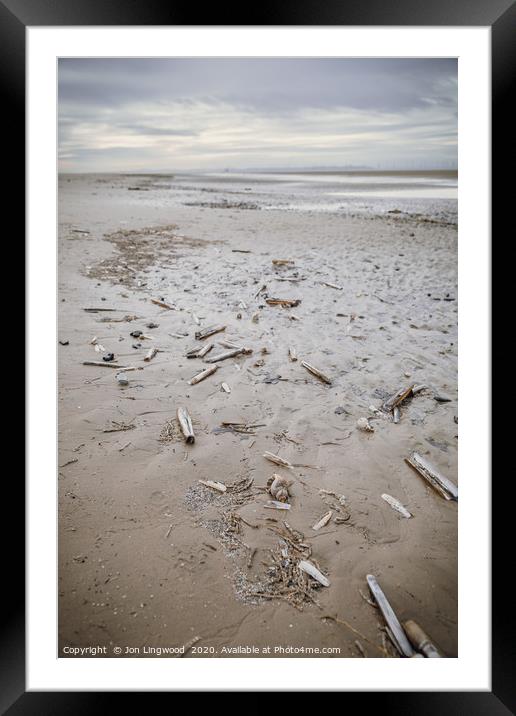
(258,294)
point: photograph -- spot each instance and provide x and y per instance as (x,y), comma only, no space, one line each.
(257,316)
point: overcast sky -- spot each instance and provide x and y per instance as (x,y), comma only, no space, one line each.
(212,114)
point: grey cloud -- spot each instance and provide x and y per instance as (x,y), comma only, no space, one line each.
(187,112)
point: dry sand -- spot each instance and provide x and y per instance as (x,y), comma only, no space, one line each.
(147,555)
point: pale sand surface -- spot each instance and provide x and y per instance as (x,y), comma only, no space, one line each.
(142,557)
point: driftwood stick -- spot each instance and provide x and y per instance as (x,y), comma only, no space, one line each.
(104,364)
(204,350)
(316,372)
(289,302)
(397,399)
(444,487)
(150,355)
(185,423)
(227,354)
(162,304)
(208,331)
(420,640)
(277,460)
(202,375)
(399,636)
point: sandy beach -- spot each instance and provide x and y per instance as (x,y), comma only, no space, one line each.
(149,557)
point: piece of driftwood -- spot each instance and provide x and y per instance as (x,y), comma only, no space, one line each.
(292,354)
(185,423)
(310,569)
(225,387)
(278,487)
(396,505)
(228,354)
(276,505)
(98,310)
(103,364)
(398,635)
(444,487)
(397,398)
(219,486)
(396,414)
(420,640)
(277,460)
(150,355)
(229,344)
(323,521)
(162,304)
(332,285)
(204,350)
(203,374)
(208,331)
(287,302)
(315,371)
(282,262)
(192,353)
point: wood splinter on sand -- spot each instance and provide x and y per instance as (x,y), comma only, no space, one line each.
(162,304)
(315,371)
(312,570)
(185,423)
(276,505)
(332,285)
(103,364)
(398,398)
(444,487)
(202,375)
(282,262)
(286,302)
(219,486)
(150,355)
(397,633)
(277,460)
(208,331)
(420,640)
(323,521)
(228,354)
(204,350)
(396,505)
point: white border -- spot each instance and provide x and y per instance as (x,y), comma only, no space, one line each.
(471,670)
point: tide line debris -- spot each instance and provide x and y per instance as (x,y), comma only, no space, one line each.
(202,375)
(396,632)
(420,640)
(396,505)
(315,371)
(277,460)
(208,331)
(185,423)
(441,484)
(163,304)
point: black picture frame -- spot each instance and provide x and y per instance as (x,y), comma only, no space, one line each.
(15,17)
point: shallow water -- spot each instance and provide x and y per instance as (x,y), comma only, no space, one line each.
(431,195)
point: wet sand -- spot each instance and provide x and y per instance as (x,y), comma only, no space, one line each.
(149,557)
